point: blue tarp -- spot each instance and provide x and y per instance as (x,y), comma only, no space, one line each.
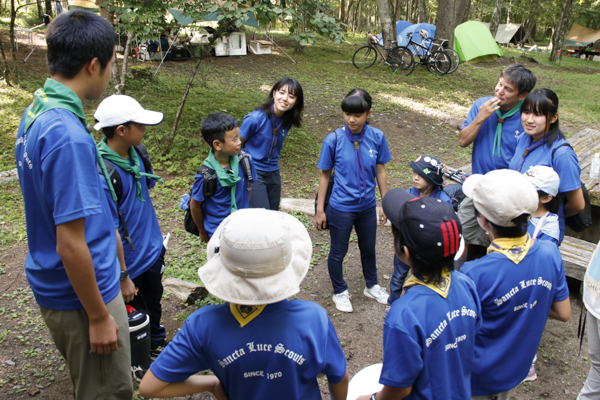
(403,40)
(400,25)
(186,20)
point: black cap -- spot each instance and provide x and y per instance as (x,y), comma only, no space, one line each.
(429,168)
(430,228)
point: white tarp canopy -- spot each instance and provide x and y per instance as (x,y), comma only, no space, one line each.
(506,32)
(581,36)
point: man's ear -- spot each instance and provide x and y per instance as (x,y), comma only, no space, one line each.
(522,95)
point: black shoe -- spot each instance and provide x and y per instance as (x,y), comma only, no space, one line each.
(138,372)
(154,352)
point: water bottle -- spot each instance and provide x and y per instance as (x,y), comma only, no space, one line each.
(595,167)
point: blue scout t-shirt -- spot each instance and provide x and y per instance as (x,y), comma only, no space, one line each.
(256,129)
(429,341)
(482,160)
(218,206)
(277,355)
(436,193)
(515,303)
(141,221)
(56,162)
(566,165)
(345,195)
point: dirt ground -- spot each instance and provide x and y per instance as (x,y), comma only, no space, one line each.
(30,366)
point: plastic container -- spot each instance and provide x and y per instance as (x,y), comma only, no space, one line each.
(237,44)
(139,337)
(595,167)
(260,46)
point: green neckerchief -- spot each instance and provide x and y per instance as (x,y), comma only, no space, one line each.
(501,119)
(56,95)
(226,177)
(108,154)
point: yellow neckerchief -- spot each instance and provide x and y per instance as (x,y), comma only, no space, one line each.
(515,249)
(245,314)
(442,287)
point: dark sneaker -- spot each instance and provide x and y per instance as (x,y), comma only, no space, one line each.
(138,372)
(154,352)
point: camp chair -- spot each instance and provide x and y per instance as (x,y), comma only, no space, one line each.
(29,32)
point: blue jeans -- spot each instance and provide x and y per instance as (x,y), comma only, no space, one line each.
(266,191)
(398,278)
(340,225)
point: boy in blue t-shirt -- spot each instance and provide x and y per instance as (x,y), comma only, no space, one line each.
(428,180)
(74,256)
(123,122)
(259,345)
(429,333)
(222,133)
(521,282)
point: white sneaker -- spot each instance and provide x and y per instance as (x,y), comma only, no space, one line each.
(342,301)
(378,293)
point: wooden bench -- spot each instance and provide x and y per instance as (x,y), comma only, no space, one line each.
(576,254)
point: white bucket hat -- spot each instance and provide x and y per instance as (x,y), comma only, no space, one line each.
(256,256)
(501,195)
(119,109)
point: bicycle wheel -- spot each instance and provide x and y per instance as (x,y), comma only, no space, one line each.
(364,57)
(439,63)
(417,53)
(454,58)
(401,59)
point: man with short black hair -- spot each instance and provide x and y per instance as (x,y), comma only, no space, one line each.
(74,258)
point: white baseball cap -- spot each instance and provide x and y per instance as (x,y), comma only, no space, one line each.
(119,109)
(502,195)
(544,179)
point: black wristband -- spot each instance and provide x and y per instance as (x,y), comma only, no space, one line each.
(374,396)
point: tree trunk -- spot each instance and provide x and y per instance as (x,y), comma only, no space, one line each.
(462,11)
(529,31)
(560,28)
(48,7)
(422,15)
(409,10)
(445,21)
(385,15)
(496,18)
(120,87)
(398,10)
(358,17)
(13,51)
(40,9)
(342,13)
(6,69)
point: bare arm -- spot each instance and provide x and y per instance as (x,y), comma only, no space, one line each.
(389,393)
(151,386)
(79,266)
(198,217)
(561,310)
(127,286)
(575,202)
(381,178)
(339,391)
(469,133)
(321,218)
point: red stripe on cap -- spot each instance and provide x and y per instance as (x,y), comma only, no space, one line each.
(452,235)
(456,236)
(445,236)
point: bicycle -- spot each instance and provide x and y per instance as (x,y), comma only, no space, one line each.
(437,61)
(398,58)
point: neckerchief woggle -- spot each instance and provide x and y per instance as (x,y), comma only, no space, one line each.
(109,154)
(245,314)
(227,178)
(515,249)
(56,95)
(275,127)
(360,168)
(531,146)
(441,287)
(501,119)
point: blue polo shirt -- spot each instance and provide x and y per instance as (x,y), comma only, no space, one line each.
(566,165)
(257,131)
(345,195)
(482,159)
(56,160)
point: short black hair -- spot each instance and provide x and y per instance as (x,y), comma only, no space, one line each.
(109,131)
(421,268)
(553,205)
(215,125)
(291,117)
(520,76)
(520,228)
(544,102)
(75,38)
(357,101)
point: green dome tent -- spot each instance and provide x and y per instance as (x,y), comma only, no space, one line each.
(474,43)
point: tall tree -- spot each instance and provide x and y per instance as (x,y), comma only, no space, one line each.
(462,11)
(48,7)
(561,28)
(446,22)
(496,17)
(422,14)
(385,15)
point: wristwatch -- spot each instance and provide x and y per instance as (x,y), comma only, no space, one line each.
(374,396)
(124,275)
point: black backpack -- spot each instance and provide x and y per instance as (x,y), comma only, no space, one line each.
(117,183)
(582,220)
(210,187)
(456,194)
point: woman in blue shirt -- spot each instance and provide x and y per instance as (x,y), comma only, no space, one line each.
(545,144)
(263,132)
(358,153)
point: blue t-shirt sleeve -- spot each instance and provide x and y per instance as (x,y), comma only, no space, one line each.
(197,192)
(383,153)
(71,183)
(471,115)
(335,360)
(402,360)
(249,127)
(562,288)
(326,161)
(183,357)
(567,167)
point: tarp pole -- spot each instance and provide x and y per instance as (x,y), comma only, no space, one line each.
(167,52)
(272,41)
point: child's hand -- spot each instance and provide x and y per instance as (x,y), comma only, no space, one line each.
(382,217)
(204,237)
(321,220)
